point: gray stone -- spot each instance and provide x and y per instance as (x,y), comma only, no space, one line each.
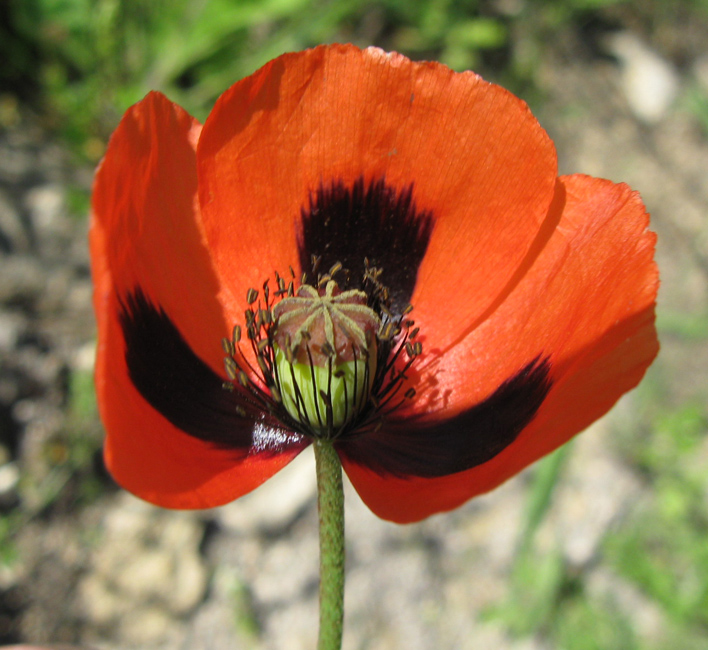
(145,571)
(13,233)
(650,83)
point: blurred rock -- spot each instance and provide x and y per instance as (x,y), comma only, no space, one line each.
(649,622)
(650,83)
(9,478)
(589,508)
(13,233)
(45,204)
(596,492)
(11,326)
(145,571)
(23,280)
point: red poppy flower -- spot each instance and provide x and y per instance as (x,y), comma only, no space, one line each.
(533,296)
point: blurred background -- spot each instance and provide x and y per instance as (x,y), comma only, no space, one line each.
(602,546)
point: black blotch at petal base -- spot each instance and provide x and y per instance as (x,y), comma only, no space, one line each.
(349,224)
(432,449)
(185,390)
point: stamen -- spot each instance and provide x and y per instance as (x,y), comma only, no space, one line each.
(231,368)
(327,361)
(227,347)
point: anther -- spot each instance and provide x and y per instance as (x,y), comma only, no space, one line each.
(386,331)
(290,354)
(231,368)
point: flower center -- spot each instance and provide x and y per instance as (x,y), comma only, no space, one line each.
(328,359)
(325,352)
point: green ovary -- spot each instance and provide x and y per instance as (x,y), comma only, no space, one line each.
(346,389)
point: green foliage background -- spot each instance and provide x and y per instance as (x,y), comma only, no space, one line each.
(86,61)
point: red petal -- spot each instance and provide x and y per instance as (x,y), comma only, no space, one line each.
(588,303)
(146,234)
(476,156)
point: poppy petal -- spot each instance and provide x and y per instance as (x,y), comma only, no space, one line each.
(473,154)
(405,448)
(586,304)
(149,260)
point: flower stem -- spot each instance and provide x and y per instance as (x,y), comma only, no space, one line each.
(330,505)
